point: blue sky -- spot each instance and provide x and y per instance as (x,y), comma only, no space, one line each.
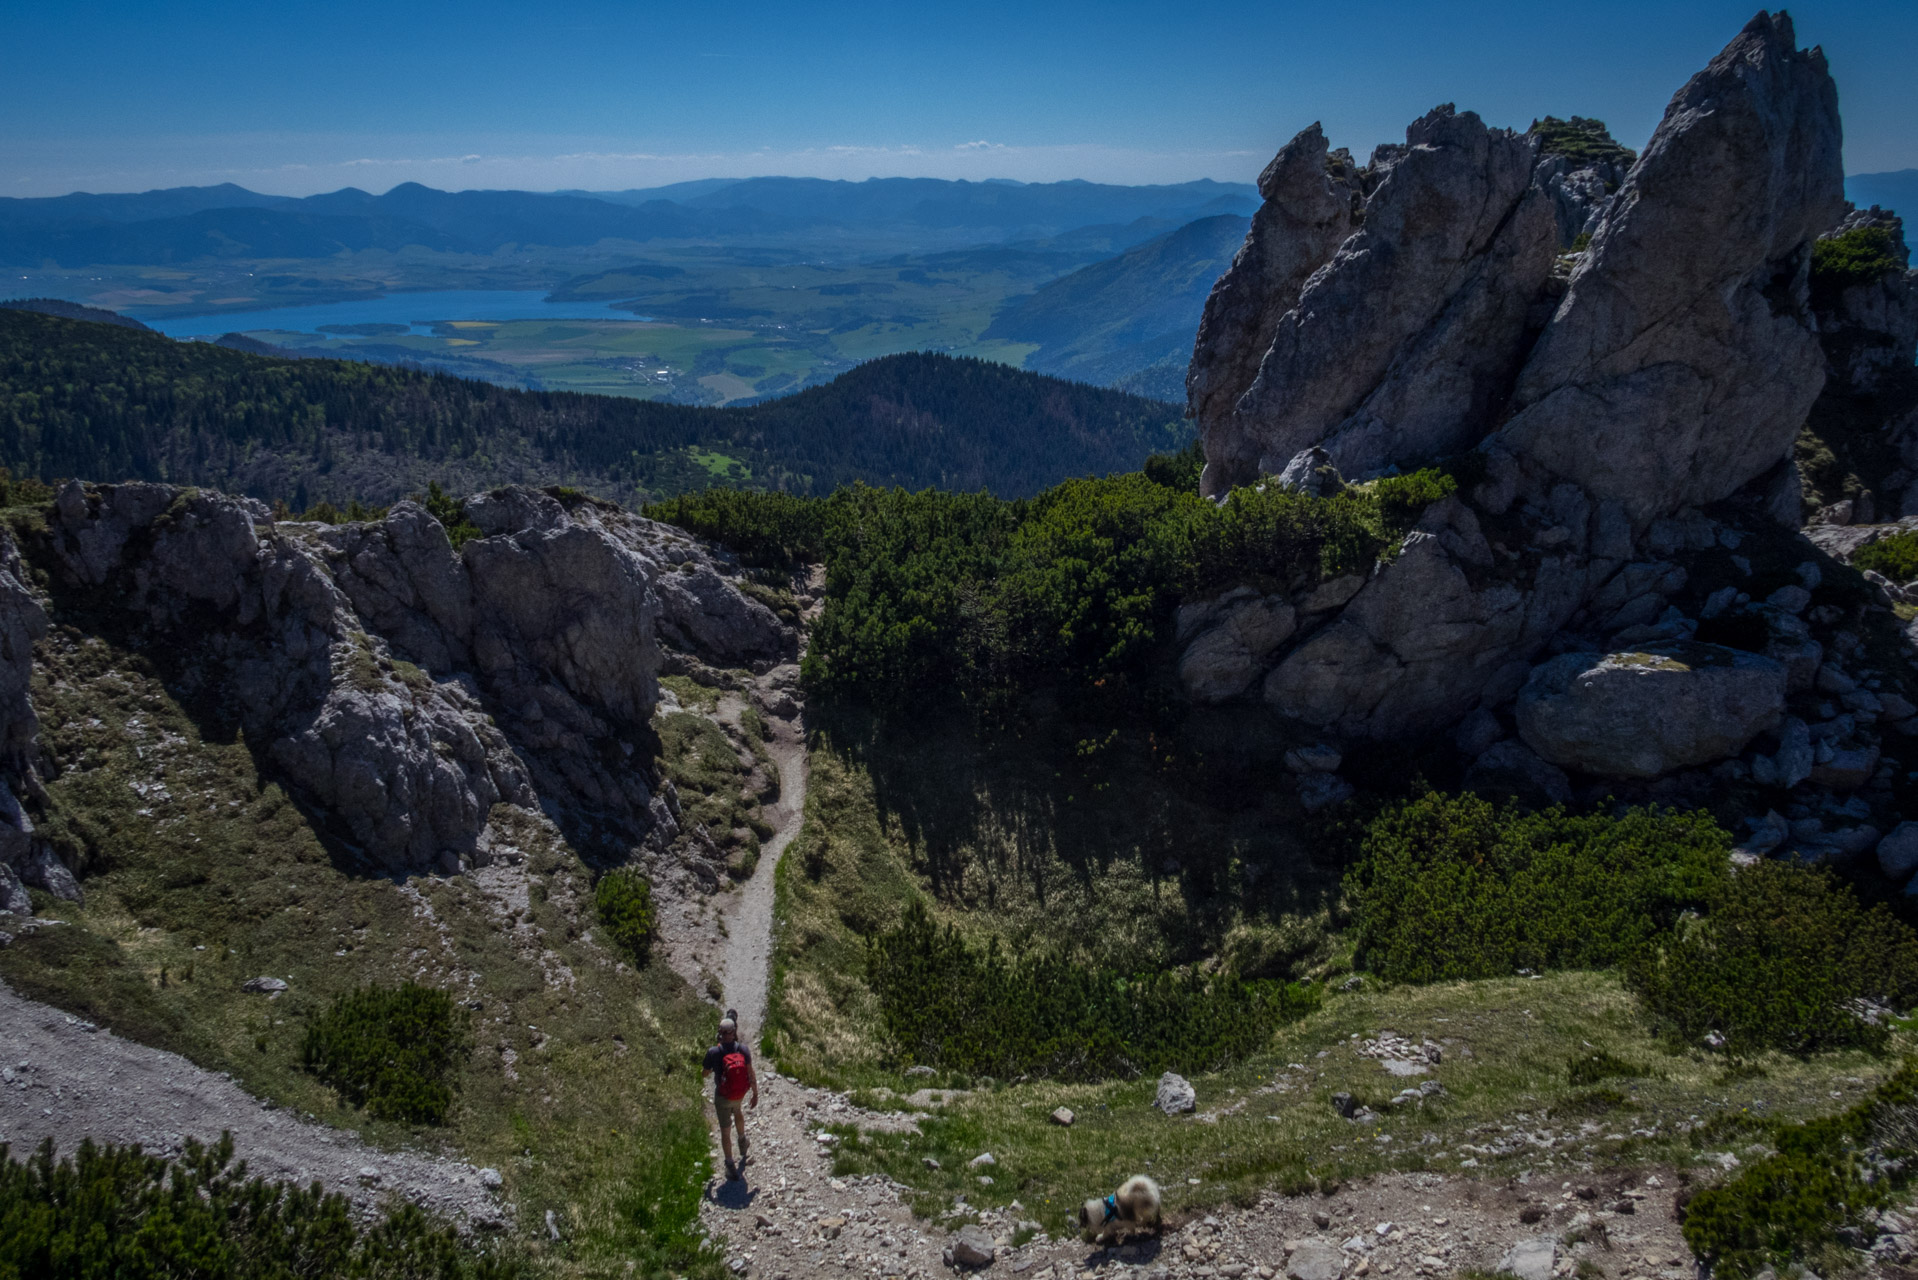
(302,97)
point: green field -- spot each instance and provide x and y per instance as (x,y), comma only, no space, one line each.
(725,325)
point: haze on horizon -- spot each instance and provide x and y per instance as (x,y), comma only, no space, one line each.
(119,96)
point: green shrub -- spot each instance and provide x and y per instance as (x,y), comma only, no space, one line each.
(1579,139)
(949,1004)
(1072,591)
(1775,963)
(393,1051)
(624,900)
(1896,557)
(1450,887)
(1859,256)
(1599,1065)
(22,492)
(450,512)
(117,1211)
(1825,1175)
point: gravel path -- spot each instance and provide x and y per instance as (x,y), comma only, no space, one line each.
(62,1078)
(747,959)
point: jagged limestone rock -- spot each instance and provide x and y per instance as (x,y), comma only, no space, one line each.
(1307,212)
(1682,362)
(400,686)
(1406,341)
(1675,372)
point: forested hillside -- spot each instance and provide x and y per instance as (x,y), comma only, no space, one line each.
(80,399)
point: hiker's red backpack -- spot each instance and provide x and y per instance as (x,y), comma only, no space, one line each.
(735,1081)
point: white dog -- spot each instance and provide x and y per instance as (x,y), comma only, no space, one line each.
(1134,1205)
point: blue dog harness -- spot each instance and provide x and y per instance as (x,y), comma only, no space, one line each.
(1112,1208)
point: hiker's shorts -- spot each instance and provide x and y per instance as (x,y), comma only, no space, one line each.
(728,1108)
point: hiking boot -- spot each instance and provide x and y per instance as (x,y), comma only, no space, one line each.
(732,1172)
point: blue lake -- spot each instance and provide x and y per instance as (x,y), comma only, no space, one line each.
(417,311)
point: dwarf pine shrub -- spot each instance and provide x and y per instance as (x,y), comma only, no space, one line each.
(948,1003)
(1450,887)
(118,1211)
(1896,557)
(1859,256)
(624,899)
(1073,590)
(391,1050)
(1825,1175)
(1783,958)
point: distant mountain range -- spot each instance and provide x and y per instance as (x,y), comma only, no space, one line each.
(190,224)
(1896,190)
(1125,314)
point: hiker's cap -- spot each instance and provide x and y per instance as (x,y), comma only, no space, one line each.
(727,1024)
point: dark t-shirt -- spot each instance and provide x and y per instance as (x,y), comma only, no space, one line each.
(716,1061)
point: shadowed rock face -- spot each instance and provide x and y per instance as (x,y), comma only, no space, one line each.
(399,686)
(1670,367)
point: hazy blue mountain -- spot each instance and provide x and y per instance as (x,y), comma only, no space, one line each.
(1129,313)
(229,222)
(173,202)
(1896,190)
(1000,207)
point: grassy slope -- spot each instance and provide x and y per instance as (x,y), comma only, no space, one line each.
(221,878)
(864,852)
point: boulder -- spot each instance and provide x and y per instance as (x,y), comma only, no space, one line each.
(13,892)
(1898,852)
(1314,1259)
(1377,318)
(972,1246)
(1175,1095)
(1530,1259)
(1510,768)
(1475,734)
(1062,1116)
(1642,714)
(1425,637)
(1225,660)
(1792,763)
(43,870)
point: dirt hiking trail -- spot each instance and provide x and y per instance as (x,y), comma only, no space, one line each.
(791,1219)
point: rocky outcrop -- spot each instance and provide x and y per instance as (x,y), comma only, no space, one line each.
(1309,198)
(1597,409)
(1682,361)
(22,622)
(1404,342)
(1869,329)
(400,687)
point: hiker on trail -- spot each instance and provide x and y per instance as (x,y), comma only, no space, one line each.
(730,1063)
